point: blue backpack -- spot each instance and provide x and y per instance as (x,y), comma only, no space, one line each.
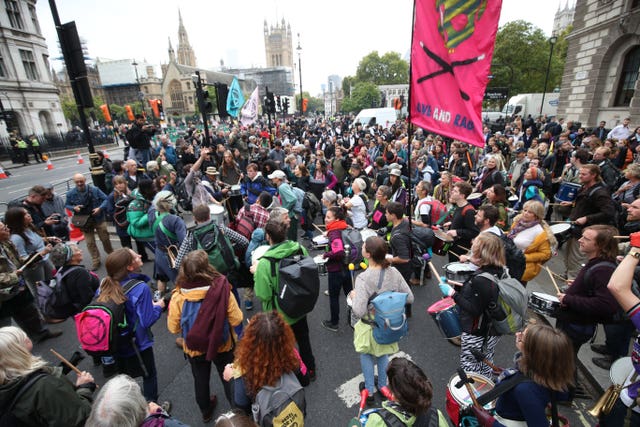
(389,318)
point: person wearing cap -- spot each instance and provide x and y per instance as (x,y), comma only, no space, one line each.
(53,207)
(355,171)
(398,192)
(517,168)
(78,284)
(169,231)
(288,200)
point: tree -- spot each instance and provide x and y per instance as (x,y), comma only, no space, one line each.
(365,95)
(313,104)
(386,70)
(523,49)
(347,84)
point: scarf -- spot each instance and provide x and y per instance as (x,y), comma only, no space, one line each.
(521,226)
(207,330)
(339,224)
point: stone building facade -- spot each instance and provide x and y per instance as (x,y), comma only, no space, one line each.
(600,80)
(278,45)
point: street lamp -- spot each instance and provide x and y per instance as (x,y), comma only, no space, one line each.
(140,93)
(552,42)
(299,49)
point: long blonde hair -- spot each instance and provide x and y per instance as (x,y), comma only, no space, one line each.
(16,360)
(537,208)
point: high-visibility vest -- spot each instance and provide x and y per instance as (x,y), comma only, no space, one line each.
(35,142)
(21,144)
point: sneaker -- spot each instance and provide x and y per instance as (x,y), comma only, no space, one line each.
(600,349)
(330,326)
(166,407)
(248,304)
(603,362)
(208,416)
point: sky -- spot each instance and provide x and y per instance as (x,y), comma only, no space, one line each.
(334,34)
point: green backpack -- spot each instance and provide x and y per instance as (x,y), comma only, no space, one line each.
(213,241)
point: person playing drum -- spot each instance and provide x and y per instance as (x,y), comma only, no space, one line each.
(626,406)
(475,297)
(462,226)
(541,374)
(379,277)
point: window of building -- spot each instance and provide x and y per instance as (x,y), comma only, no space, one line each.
(188,85)
(13,11)
(29,64)
(45,59)
(628,78)
(3,68)
(34,18)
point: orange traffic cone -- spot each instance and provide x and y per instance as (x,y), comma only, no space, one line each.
(75,234)
(80,159)
(104,152)
(49,165)
(2,174)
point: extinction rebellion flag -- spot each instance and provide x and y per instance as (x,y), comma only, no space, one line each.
(451,52)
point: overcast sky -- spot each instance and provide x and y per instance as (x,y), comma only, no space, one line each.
(334,34)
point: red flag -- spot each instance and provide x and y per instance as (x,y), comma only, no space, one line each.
(451,55)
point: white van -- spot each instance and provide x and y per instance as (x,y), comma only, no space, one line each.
(378,116)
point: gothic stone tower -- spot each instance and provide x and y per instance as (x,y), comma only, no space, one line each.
(278,45)
(186,56)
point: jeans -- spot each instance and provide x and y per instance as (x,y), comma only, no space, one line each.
(201,370)
(367,362)
(338,280)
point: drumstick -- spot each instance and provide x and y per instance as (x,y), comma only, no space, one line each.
(451,252)
(558,276)
(561,222)
(318,228)
(433,269)
(462,247)
(463,377)
(620,237)
(553,280)
(69,364)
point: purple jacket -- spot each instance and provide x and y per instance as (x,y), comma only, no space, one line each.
(335,254)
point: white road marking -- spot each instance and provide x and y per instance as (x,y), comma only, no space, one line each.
(349,391)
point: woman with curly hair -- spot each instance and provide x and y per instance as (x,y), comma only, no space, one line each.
(265,354)
(208,335)
(543,373)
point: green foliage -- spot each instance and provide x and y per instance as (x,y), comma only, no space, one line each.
(313,104)
(347,83)
(365,95)
(521,56)
(385,70)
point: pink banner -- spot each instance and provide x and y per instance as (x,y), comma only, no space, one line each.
(450,63)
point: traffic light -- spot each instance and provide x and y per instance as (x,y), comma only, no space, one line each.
(271,103)
(154,107)
(278,103)
(305,103)
(160,109)
(222,93)
(207,105)
(285,105)
(105,112)
(129,111)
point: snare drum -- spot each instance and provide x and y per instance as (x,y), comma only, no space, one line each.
(475,199)
(218,214)
(620,370)
(235,190)
(512,200)
(320,242)
(320,261)
(459,271)
(561,231)
(446,314)
(544,304)
(442,243)
(365,233)
(459,397)
(567,192)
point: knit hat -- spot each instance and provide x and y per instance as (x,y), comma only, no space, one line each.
(60,255)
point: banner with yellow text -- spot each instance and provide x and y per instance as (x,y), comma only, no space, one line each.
(451,54)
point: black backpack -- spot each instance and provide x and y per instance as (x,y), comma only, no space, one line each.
(516,261)
(184,201)
(298,284)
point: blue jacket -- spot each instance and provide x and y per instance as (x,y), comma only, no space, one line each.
(92,198)
(140,312)
(252,189)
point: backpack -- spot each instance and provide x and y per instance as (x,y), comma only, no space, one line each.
(102,326)
(422,239)
(281,405)
(312,207)
(120,211)
(7,419)
(432,418)
(299,199)
(213,241)
(190,310)
(389,318)
(245,226)
(53,294)
(516,261)
(437,212)
(512,300)
(298,284)
(353,238)
(184,201)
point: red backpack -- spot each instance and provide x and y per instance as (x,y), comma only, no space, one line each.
(438,211)
(245,226)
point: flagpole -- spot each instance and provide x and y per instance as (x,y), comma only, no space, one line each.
(410,132)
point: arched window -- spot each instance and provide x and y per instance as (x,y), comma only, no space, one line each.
(175,92)
(628,78)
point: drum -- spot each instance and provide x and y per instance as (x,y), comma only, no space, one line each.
(365,233)
(352,318)
(459,271)
(459,397)
(320,242)
(512,200)
(320,261)
(567,192)
(235,190)
(544,304)
(475,199)
(620,370)
(442,243)
(561,231)
(218,214)
(446,314)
